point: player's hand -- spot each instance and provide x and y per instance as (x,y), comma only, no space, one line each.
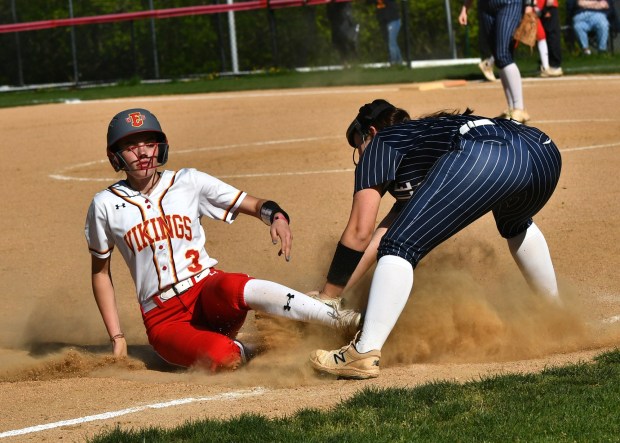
(120,347)
(463,16)
(280,229)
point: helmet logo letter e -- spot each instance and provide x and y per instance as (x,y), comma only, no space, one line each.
(136,119)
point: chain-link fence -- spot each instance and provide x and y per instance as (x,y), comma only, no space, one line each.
(196,45)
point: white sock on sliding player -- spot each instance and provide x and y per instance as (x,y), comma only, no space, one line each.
(276,299)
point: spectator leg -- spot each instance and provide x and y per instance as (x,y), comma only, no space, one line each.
(553,31)
(602,31)
(581,28)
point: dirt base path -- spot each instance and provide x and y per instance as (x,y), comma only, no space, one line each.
(471,314)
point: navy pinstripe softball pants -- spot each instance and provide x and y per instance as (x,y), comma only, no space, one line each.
(498,21)
(509,172)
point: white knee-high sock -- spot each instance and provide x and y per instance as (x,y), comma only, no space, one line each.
(389,291)
(507,92)
(530,251)
(513,89)
(543,51)
(276,299)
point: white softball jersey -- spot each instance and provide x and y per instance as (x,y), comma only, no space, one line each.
(160,235)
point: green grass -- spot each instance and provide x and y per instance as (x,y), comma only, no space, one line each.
(579,402)
(595,64)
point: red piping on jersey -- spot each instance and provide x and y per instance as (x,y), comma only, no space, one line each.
(152,245)
(163,213)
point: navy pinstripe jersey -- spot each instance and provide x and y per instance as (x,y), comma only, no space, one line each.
(399,157)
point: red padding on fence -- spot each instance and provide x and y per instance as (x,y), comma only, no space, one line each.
(161,13)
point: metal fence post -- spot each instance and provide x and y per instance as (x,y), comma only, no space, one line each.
(20,70)
(273,30)
(405,19)
(450,28)
(220,39)
(233,39)
(134,58)
(154,40)
(76,76)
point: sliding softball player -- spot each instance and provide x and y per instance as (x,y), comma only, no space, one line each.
(192,310)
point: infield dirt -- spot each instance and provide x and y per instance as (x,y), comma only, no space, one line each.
(470,314)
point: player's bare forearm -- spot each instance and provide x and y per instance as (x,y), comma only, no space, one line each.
(358,233)
(251,206)
(354,241)
(103,291)
(368,259)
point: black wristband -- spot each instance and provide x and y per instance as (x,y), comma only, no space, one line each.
(268,211)
(343,264)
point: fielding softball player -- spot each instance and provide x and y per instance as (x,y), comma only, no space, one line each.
(192,311)
(445,171)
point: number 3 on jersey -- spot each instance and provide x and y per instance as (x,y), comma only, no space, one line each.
(193,255)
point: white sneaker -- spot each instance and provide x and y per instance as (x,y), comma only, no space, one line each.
(519,115)
(551,72)
(487,70)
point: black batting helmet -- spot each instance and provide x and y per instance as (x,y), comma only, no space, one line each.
(366,118)
(129,122)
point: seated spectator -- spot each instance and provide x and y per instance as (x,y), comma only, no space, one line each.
(592,15)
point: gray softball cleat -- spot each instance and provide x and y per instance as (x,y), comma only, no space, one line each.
(335,303)
(348,321)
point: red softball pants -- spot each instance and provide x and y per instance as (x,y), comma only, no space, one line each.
(197,328)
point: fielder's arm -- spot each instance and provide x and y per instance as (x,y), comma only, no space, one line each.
(369,258)
(370,254)
(356,237)
(103,290)
(273,216)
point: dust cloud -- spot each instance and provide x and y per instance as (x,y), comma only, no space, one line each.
(457,313)
(68,363)
(454,317)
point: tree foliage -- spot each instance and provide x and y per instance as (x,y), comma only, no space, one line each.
(199,45)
